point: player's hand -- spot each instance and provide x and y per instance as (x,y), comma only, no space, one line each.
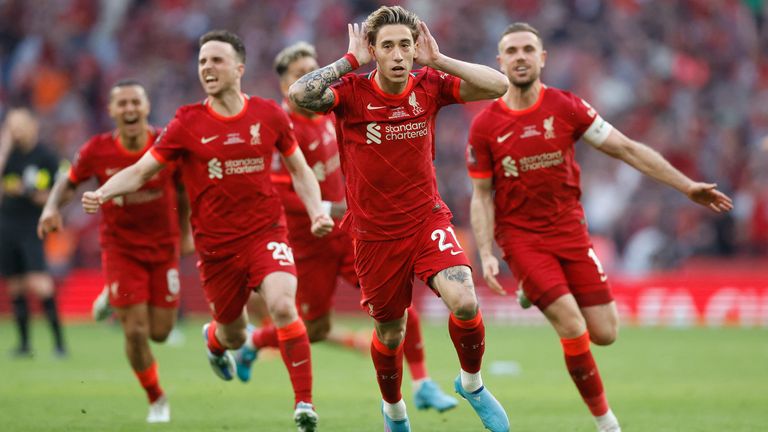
(358,43)
(92,201)
(427,51)
(322,224)
(707,195)
(50,220)
(490,271)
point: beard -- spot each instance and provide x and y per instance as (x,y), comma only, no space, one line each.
(523,84)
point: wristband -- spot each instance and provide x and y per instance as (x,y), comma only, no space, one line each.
(352,60)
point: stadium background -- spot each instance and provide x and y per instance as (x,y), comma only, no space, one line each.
(688,77)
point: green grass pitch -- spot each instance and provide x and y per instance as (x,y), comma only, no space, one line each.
(657,380)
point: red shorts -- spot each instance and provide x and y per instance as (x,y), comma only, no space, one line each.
(550,266)
(131,281)
(386,267)
(318,274)
(228,282)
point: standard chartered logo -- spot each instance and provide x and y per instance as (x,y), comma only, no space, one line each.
(510,167)
(214,169)
(373,133)
(399,132)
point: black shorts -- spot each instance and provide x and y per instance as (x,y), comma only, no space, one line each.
(20,252)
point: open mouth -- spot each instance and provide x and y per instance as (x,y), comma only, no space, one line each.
(131,121)
(210,79)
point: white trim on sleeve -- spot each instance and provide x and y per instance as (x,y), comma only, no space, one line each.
(597,132)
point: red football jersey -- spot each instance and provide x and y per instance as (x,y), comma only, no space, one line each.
(317,140)
(225,164)
(530,155)
(386,143)
(144,222)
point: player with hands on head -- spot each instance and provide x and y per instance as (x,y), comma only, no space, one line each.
(401,226)
(526,190)
(320,261)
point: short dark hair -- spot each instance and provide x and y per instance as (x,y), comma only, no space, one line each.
(522,27)
(292,53)
(387,15)
(227,37)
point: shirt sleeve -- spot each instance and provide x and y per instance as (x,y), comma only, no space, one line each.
(169,145)
(588,123)
(286,140)
(341,91)
(82,167)
(448,87)
(478,154)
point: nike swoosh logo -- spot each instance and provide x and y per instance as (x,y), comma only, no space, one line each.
(206,140)
(299,363)
(371,107)
(503,138)
(456,252)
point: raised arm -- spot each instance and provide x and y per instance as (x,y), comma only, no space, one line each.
(128,180)
(478,82)
(482,220)
(651,163)
(306,187)
(50,219)
(313,92)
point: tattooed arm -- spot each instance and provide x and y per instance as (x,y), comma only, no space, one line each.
(313,92)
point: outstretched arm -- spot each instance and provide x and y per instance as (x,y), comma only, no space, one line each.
(128,180)
(306,187)
(478,82)
(482,220)
(313,92)
(651,163)
(50,219)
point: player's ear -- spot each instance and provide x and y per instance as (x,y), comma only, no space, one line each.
(240,70)
(543,59)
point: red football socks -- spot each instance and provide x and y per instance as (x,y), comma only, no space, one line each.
(214,346)
(389,369)
(469,340)
(266,337)
(150,380)
(413,346)
(583,369)
(294,348)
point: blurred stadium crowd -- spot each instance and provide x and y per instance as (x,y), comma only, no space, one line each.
(687,77)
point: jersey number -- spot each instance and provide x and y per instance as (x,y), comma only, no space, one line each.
(281,253)
(440,236)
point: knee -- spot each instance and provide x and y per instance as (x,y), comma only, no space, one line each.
(136,336)
(234,340)
(318,330)
(391,338)
(465,307)
(604,336)
(159,335)
(283,311)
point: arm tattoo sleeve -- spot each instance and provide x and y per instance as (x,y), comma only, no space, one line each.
(316,94)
